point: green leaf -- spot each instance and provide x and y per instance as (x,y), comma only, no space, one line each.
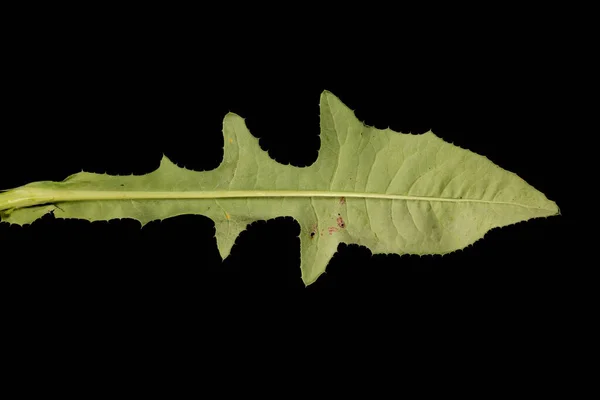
(392,192)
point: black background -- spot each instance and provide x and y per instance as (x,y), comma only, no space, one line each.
(112,90)
(113,95)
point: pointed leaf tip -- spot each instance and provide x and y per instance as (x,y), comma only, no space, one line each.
(165,160)
(231,116)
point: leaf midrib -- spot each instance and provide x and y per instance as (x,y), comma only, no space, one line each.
(32,197)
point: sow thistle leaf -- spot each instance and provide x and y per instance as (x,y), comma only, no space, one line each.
(391,192)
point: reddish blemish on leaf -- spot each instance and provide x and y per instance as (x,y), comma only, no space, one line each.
(340,222)
(332,229)
(342,200)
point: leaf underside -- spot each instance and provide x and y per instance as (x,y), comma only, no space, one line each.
(391,192)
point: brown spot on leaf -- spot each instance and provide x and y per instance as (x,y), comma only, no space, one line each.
(313,231)
(342,200)
(340,222)
(332,229)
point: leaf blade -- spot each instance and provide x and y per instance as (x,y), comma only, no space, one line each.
(392,192)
